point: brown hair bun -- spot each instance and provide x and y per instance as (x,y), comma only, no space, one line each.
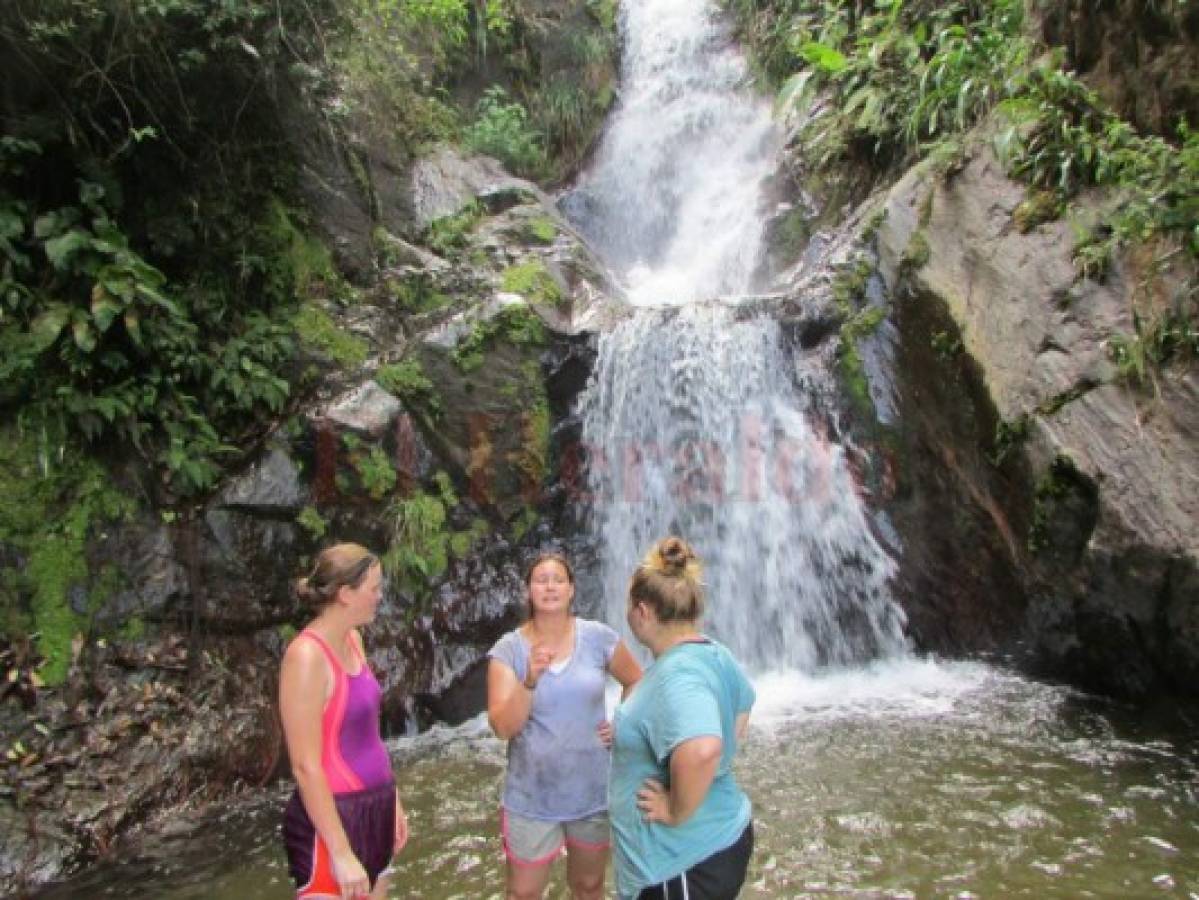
(669,580)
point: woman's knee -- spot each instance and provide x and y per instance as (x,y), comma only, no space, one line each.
(586,885)
(527,883)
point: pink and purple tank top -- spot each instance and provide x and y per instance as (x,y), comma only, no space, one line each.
(352,753)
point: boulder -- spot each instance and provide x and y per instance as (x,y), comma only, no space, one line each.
(1095,508)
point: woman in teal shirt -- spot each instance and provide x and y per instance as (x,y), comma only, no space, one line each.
(681,825)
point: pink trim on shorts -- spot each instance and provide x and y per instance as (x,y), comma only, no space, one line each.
(516,860)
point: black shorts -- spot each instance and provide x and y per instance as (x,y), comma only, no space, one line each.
(719,877)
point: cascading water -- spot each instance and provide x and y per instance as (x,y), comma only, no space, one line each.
(703,434)
(672,200)
(694,423)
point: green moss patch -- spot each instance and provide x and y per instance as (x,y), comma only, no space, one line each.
(48,509)
(317,330)
(541,230)
(406,380)
(515,324)
(533,281)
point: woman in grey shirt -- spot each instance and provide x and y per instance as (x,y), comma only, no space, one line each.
(545,696)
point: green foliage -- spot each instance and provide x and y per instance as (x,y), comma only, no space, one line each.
(564,112)
(1061,491)
(502,129)
(525,522)
(605,12)
(899,74)
(532,281)
(417,293)
(384,60)
(377,472)
(310,519)
(406,380)
(422,544)
(849,358)
(462,542)
(49,505)
(1062,138)
(95,347)
(945,345)
(849,284)
(145,253)
(418,552)
(1036,209)
(1172,338)
(541,230)
(447,235)
(134,629)
(434,30)
(516,324)
(533,457)
(1008,437)
(56,565)
(318,331)
(1094,254)
(445,489)
(917,253)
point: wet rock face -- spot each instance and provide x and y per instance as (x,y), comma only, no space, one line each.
(1074,522)
(446,181)
(960,536)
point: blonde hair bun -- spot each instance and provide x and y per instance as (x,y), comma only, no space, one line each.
(674,557)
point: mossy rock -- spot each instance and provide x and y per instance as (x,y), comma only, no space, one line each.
(494,426)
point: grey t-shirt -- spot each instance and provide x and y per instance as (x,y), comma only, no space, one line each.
(557,767)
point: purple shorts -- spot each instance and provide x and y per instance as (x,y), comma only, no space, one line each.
(368,817)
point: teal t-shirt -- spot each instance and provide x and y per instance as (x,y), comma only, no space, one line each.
(694,689)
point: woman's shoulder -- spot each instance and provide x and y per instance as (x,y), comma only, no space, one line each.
(596,632)
(304,653)
(509,643)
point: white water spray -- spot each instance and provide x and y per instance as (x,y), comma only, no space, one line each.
(693,421)
(703,435)
(671,202)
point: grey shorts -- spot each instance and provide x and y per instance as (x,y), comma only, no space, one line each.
(536,842)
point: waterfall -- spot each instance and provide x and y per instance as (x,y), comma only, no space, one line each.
(693,421)
(671,202)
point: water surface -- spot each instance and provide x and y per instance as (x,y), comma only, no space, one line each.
(907,779)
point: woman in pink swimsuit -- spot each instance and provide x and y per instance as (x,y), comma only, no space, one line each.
(345,820)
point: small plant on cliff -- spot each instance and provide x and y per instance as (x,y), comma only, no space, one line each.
(533,281)
(1009,436)
(516,324)
(541,230)
(447,235)
(1171,338)
(310,519)
(317,330)
(377,472)
(417,553)
(407,380)
(1063,138)
(899,76)
(502,129)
